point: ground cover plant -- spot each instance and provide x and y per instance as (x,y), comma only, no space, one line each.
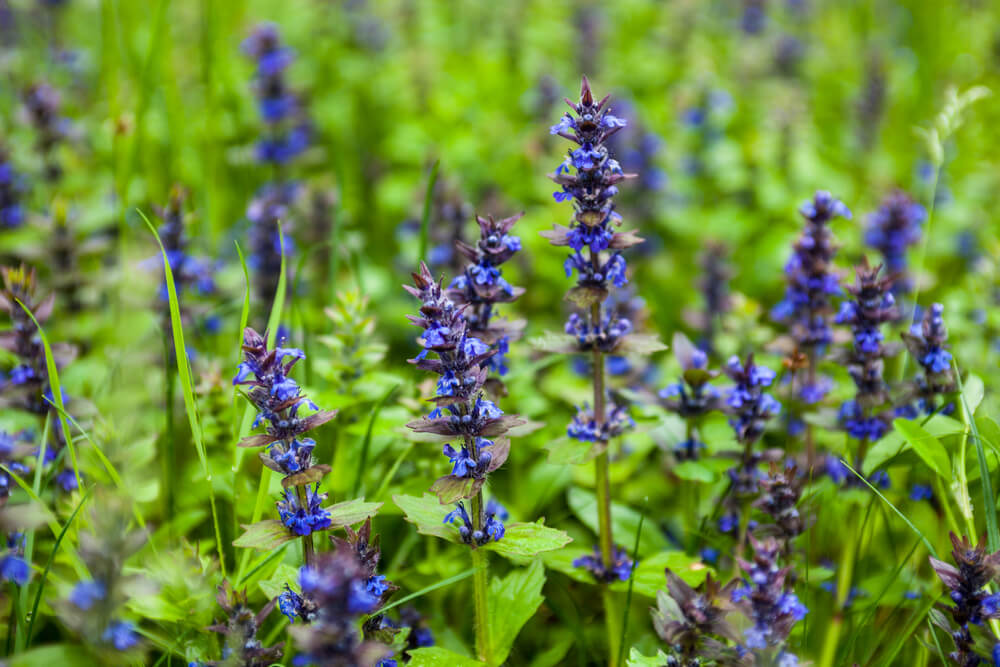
(452,333)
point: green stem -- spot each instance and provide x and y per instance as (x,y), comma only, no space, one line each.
(602,480)
(480,562)
(613,623)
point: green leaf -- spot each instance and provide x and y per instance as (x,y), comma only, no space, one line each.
(367,442)
(435,656)
(551,341)
(640,345)
(693,471)
(636,659)
(568,451)
(649,573)
(264,535)
(893,443)
(513,601)
(64,655)
(187,384)
(351,512)
(524,540)
(624,521)
(927,446)
(450,489)
(48,565)
(427,514)
(973,391)
(52,372)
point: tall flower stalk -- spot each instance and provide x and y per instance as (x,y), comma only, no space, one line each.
(866,418)
(278,400)
(806,308)
(465,414)
(588,177)
(287,134)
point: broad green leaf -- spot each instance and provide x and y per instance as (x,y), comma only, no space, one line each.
(926,445)
(893,443)
(513,601)
(435,656)
(693,471)
(636,659)
(450,489)
(427,514)
(351,512)
(524,540)
(264,535)
(624,521)
(650,575)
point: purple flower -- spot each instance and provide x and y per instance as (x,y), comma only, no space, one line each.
(14,568)
(304,519)
(620,568)
(893,228)
(121,635)
(86,593)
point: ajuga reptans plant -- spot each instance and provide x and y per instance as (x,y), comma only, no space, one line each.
(588,177)
(465,414)
(806,309)
(973,605)
(287,134)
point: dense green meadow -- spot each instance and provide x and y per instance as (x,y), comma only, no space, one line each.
(736,442)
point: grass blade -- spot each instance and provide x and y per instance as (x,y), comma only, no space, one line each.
(930,547)
(433,587)
(425,219)
(57,395)
(187,386)
(366,445)
(631,583)
(48,565)
(915,620)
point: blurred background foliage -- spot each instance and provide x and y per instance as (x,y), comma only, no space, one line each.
(738,112)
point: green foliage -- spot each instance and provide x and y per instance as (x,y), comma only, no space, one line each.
(513,600)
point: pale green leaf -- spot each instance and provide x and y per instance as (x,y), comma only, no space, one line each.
(513,600)
(650,574)
(264,535)
(524,540)
(926,445)
(435,656)
(973,391)
(693,471)
(351,512)
(636,659)
(427,514)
